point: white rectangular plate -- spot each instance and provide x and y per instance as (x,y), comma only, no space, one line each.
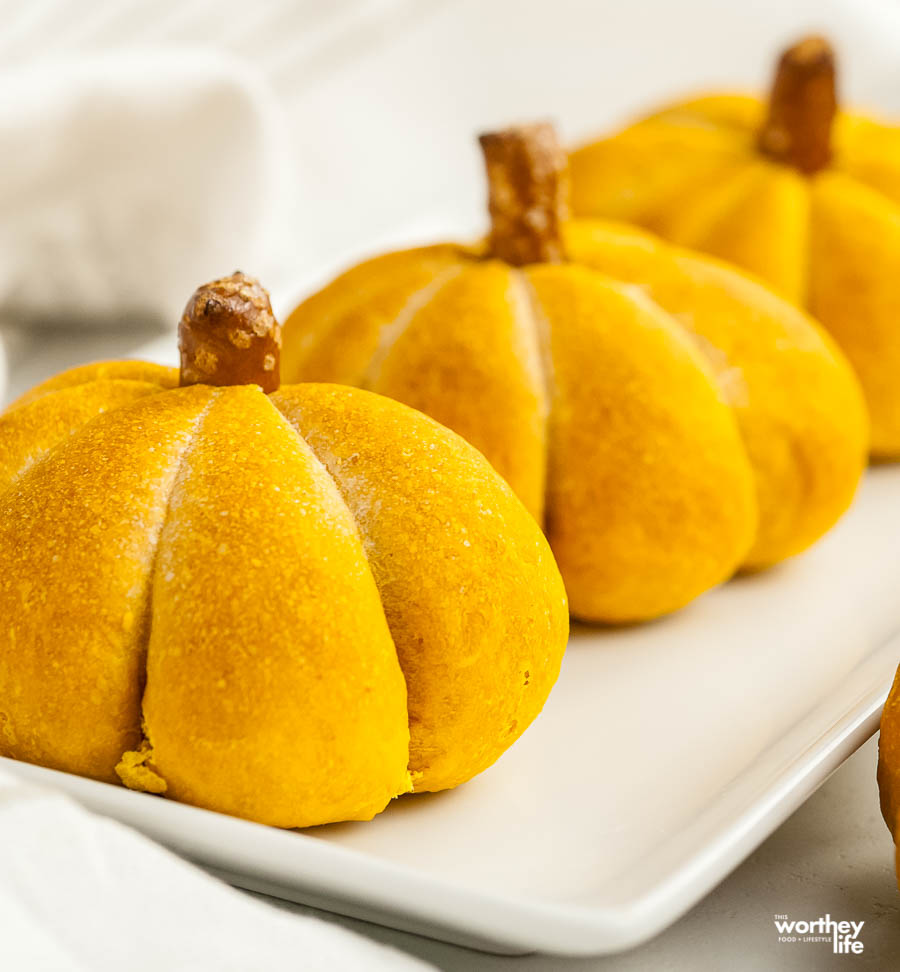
(665,755)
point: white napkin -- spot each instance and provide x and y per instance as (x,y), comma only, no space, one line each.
(80,893)
(129,178)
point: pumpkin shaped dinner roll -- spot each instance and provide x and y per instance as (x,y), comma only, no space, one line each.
(803,195)
(666,419)
(290,607)
(889,766)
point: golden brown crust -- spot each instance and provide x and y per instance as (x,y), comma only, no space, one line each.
(698,173)
(807,449)
(889,765)
(228,335)
(30,431)
(335,333)
(273,687)
(127,370)
(490,355)
(475,605)
(648,506)
(802,107)
(206,619)
(527,175)
(77,538)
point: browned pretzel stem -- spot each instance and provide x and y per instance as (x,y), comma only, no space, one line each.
(228,335)
(527,175)
(802,106)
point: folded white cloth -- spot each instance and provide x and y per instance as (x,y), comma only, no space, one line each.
(130,177)
(80,893)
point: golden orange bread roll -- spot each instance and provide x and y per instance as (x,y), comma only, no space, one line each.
(201,602)
(667,419)
(889,766)
(801,194)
